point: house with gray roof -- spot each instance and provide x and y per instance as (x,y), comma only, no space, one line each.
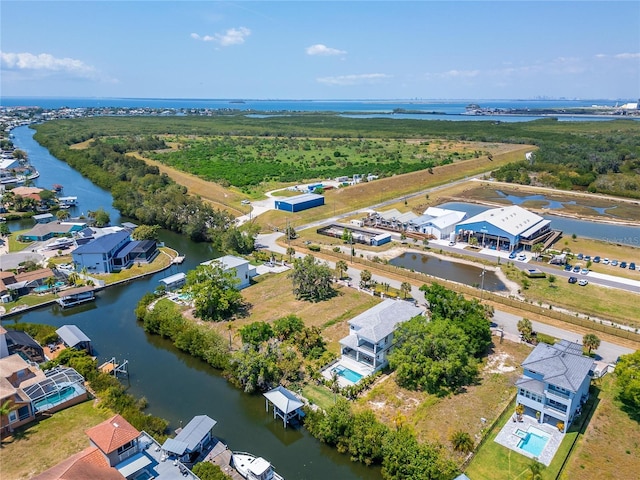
(371,333)
(191,441)
(555,382)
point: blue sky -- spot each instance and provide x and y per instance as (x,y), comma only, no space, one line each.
(321,49)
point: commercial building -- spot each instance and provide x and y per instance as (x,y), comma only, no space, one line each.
(300,202)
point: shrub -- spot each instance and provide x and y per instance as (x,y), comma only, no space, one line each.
(314,248)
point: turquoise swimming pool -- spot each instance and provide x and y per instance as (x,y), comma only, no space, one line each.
(534,442)
(44,288)
(57,398)
(353,377)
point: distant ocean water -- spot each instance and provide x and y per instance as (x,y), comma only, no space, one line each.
(446,109)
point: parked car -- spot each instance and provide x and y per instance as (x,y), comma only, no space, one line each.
(596,259)
(580,256)
(587,258)
(632,266)
(583,282)
(605,261)
(513,255)
(623,264)
(584,271)
(451,244)
(573,280)
(567,267)
(576,269)
(522,257)
(614,263)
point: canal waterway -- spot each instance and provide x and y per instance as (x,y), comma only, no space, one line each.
(176,385)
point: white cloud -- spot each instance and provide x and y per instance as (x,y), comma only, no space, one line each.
(460,73)
(233,36)
(45,62)
(323,50)
(365,78)
(627,56)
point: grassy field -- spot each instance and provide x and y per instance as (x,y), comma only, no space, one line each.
(272,298)
(435,418)
(610,446)
(41,445)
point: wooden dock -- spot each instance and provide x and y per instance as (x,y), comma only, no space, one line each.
(220,455)
(108,367)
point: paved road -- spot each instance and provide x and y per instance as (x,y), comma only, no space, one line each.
(607,352)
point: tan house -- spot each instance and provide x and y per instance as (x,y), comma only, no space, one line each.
(16,375)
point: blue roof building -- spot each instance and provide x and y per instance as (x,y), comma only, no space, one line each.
(300,202)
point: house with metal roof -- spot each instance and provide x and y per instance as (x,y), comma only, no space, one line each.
(192,440)
(17,341)
(506,228)
(555,382)
(370,336)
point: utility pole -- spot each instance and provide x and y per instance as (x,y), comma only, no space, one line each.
(482,283)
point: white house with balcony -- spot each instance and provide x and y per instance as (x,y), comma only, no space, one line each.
(555,382)
(371,333)
(240,267)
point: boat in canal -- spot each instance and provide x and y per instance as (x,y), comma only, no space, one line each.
(252,467)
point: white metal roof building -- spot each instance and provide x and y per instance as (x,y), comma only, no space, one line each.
(285,404)
(505,227)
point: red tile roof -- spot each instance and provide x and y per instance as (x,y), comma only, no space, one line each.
(87,464)
(112,434)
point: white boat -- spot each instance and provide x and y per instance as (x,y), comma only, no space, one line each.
(252,467)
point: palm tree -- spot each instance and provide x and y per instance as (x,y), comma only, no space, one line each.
(341,267)
(365,278)
(461,441)
(74,278)
(291,252)
(535,470)
(405,288)
(537,249)
(50,282)
(5,409)
(591,341)
(525,328)
(62,215)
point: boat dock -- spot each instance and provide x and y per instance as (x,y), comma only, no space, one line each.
(113,367)
(220,455)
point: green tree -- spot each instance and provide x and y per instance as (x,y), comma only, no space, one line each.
(590,341)
(100,217)
(312,281)
(255,368)
(4,229)
(286,327)
(405,288)
(62,215)
(434,356)
(310,342)
(365,278)
(255,333)
(347,236)
(538,248)
(146,232)
(525,328)
(461,441)
(214,292)
(209,471)
(341,267)
(628,381)
(291,252)
(5,409)
(367,438)
(73,278)
(290,233)
(535,470)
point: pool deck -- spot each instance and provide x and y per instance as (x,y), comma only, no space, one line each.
(507,437)
(346,362)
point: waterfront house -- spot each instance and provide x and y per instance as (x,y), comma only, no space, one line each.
(17,341)
(370,336)
(45,231)
(15,375)
(112,252)
(555,382)
(118,451)
(27,282)
(191,441)
(239,266)
(44,218)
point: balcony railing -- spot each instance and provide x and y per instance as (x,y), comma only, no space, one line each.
(366,346)
(557,393)
(554,410)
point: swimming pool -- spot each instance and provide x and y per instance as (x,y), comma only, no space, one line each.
(353,377)
(57,398)
(534,442)
(44,288)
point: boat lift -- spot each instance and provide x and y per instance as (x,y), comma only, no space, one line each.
(112,367)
